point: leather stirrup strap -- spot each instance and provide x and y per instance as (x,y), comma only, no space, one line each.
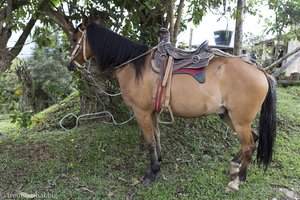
(168,71)
(167,81)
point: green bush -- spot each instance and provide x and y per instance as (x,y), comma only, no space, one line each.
(22,119)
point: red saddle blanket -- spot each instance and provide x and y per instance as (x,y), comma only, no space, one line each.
(197,73)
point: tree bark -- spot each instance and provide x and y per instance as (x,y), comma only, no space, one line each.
(238,35)
(171,20)
(9,11)
(178,20)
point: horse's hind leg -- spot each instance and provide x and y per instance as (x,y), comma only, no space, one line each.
(145,121)
(235,163)
(245,136)
(157,136)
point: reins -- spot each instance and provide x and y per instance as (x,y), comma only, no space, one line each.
(139,56)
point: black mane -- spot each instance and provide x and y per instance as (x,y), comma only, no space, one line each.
(111,49)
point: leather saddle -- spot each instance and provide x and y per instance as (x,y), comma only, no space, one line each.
(182,59)
(167,60)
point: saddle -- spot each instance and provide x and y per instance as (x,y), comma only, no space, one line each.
(182,59)
(167,60)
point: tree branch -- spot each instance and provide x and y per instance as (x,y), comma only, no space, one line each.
(60,18)
(26,31)
(281,69)
(283,58)
(22,39)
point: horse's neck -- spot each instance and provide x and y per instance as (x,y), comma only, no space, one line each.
(125,75)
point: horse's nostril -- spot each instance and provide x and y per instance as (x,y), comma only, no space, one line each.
(70,66)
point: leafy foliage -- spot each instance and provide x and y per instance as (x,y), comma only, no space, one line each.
(198,9)
(287,14)
(23,119)
(50,77)
(8,87)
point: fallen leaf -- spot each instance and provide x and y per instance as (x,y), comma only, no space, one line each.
(134,181)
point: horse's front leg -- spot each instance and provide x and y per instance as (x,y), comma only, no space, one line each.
(145,121)
(157,136)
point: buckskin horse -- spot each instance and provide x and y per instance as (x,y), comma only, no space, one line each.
(234,89)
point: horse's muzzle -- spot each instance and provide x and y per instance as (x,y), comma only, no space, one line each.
(70,65)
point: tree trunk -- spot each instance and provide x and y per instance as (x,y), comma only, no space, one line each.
(178,20)
(238,36)
(171,20)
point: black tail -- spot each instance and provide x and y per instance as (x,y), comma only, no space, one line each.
(267,126)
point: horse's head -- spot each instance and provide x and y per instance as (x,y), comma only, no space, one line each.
(80,51)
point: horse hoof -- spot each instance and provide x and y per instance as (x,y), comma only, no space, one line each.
(229,189)
(146,182)
(233,186)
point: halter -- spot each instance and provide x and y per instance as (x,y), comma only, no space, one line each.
(81,45)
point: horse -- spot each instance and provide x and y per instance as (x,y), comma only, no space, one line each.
(234,89)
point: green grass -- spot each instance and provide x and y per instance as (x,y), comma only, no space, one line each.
(105,162)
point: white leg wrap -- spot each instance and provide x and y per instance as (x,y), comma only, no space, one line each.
(234,168)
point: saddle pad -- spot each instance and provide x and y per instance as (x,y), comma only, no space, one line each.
(197,73)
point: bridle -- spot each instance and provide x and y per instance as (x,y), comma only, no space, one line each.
(81,45)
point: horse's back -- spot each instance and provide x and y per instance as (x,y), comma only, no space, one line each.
(230,83)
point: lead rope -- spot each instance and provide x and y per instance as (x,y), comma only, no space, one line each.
(82,117)
(88,72)
(95,115)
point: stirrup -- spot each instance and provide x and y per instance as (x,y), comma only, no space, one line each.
(165,122)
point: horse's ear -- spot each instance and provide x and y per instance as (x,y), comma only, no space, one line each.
(85,22)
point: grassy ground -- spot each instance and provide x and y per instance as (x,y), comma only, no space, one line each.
(106,162)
